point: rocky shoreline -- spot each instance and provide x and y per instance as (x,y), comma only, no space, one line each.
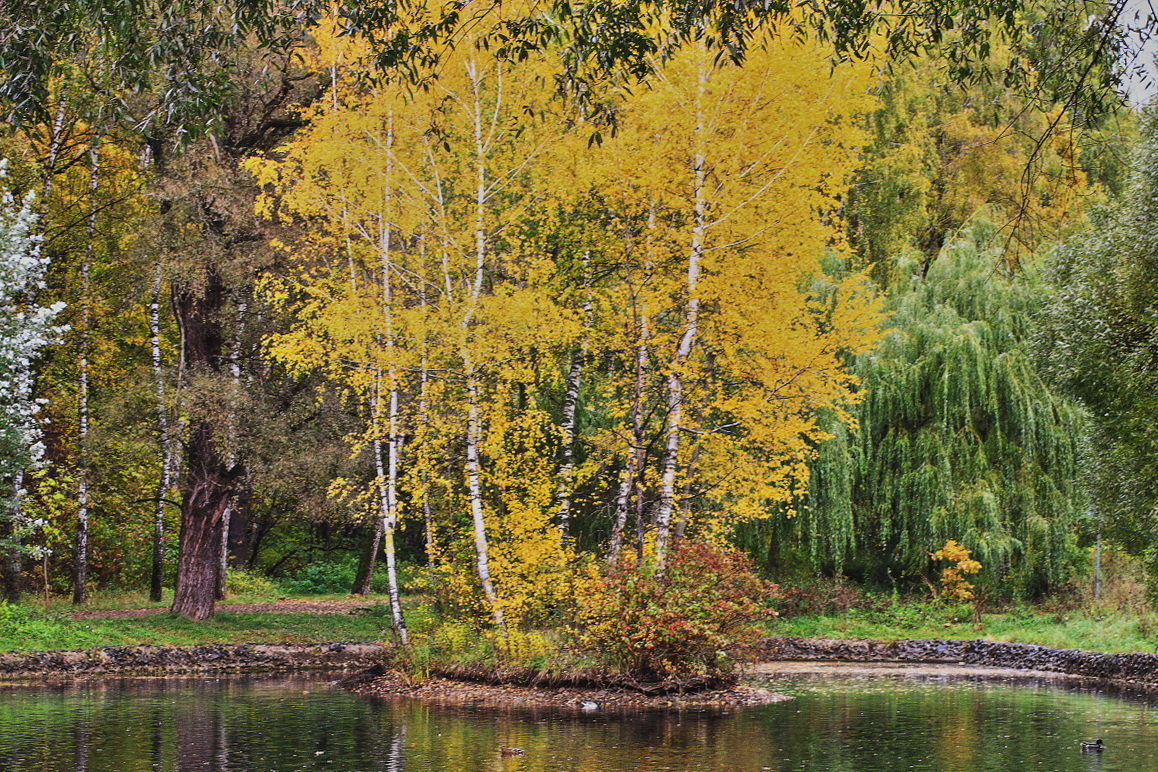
(1123,670)
(437,690)
(174,660)
(1133,669)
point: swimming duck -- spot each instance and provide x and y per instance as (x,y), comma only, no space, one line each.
(511,751)
(1096,745)
(588,706)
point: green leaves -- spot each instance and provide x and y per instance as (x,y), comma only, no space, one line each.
(959,438)
(1097,341)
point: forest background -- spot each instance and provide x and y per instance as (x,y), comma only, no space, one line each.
(857,315)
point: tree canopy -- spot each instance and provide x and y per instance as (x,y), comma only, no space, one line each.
(1097,341)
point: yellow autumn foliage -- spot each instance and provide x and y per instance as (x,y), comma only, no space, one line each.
(953,582)
(467,247)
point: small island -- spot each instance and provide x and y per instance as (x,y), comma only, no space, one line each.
(586,358)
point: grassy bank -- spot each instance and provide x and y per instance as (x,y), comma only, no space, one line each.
(1111,631)
(36,628)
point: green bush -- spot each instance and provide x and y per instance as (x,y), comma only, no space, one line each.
(695,620)
(337,577)
(241,582)
(321,578)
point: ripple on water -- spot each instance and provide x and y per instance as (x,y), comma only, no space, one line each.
(837,722)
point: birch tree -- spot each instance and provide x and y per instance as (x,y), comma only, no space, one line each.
(735,168)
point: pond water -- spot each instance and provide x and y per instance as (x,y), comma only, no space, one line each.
(836,722)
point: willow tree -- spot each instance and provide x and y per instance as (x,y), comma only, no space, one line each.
(959,437)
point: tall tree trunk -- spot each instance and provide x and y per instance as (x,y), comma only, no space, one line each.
(55,145)
(207,493)
(364,579)
(474,485)
(424,422)
(675,380)
(388,501)
(570,410)
(80,577)
(388,477)
(630,495)
(232,438)
(685,513)
(165,479)
(209,479)
(388,497)
(474,414)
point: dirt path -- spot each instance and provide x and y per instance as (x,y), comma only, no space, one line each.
(279,607)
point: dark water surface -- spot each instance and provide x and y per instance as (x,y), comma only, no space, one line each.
(835,723)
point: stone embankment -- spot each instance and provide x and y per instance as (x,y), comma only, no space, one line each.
(1127,668)
(174,660)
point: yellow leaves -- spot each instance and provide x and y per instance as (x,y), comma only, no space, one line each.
(531,566)
(775,141)
(465,236)
(334,49)
(953,582)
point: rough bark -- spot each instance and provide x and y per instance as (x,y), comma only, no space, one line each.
(369,561)
(209,478)
(202,509)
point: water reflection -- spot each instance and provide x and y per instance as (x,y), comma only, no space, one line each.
(300,723)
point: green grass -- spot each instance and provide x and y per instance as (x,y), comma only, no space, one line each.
(33,627)
(59,634)
(1115,632)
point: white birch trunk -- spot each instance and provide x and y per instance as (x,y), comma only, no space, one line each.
(388,486)
(675,380)
(474,484)
(424,409)
(685,508)
(55,144)
(388,508)
(165,480)
(629,487)
(391,523)
(80,577)
(424,420)
(474,419)
(570,409)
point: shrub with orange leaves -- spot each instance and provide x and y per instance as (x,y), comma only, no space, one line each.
(696,619)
